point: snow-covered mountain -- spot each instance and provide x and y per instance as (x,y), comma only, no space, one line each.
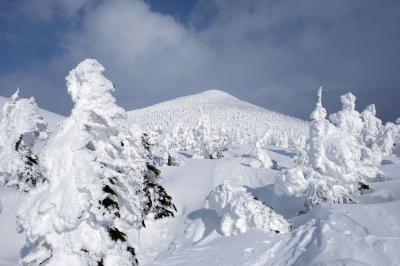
(366,233)
(222,110)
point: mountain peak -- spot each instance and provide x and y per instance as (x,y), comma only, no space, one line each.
(215,94)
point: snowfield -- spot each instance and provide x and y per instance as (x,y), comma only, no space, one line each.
(363,233)
(331,234)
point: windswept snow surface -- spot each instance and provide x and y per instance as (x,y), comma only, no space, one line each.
(367,233)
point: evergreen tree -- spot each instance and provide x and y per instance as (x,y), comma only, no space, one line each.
(95,189)
(21,128)
(158,203)
(372,125)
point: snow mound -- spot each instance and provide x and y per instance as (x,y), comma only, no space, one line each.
(241,212)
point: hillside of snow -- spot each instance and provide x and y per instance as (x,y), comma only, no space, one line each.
(331,234)
(245,121)
(248,223)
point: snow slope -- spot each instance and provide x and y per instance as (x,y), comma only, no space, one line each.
(223,111)
(330,234)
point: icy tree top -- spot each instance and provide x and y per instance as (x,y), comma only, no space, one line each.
(319,112)
(21,116)
(86,83)
(91,91)
(348,101)
(371,108)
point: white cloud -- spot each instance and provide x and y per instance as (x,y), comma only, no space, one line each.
(267,52)
(144,52)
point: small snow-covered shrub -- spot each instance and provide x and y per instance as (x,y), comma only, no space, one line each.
(209,142)
(171,143)
(241,212)
(21,128)
(317,188)
(261,157)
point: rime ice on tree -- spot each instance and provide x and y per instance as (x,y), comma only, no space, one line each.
(241,212)
(330,170)
(21,128)
(95,189)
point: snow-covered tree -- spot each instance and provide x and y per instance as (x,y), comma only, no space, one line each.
(95,189)
(21,128)
(241,212)
(348,119)
(330,171)
(372,125)
(158,203)
(173,142)
(262,159)
(386,139)
(209,142)
(363,130)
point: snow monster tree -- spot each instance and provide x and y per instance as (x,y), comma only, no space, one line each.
(95,189)
(21,128)
(331,163)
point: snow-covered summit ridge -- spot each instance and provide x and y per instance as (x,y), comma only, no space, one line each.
(208,96)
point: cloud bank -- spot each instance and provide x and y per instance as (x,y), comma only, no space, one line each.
(272,53)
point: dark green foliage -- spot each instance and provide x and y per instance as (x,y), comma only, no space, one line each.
(363,186)
(132,251)
(116,235)
(171,161)
(152,169)
(108,202)
(107,189)
(18,143)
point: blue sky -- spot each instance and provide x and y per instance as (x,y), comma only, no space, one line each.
(271,53)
